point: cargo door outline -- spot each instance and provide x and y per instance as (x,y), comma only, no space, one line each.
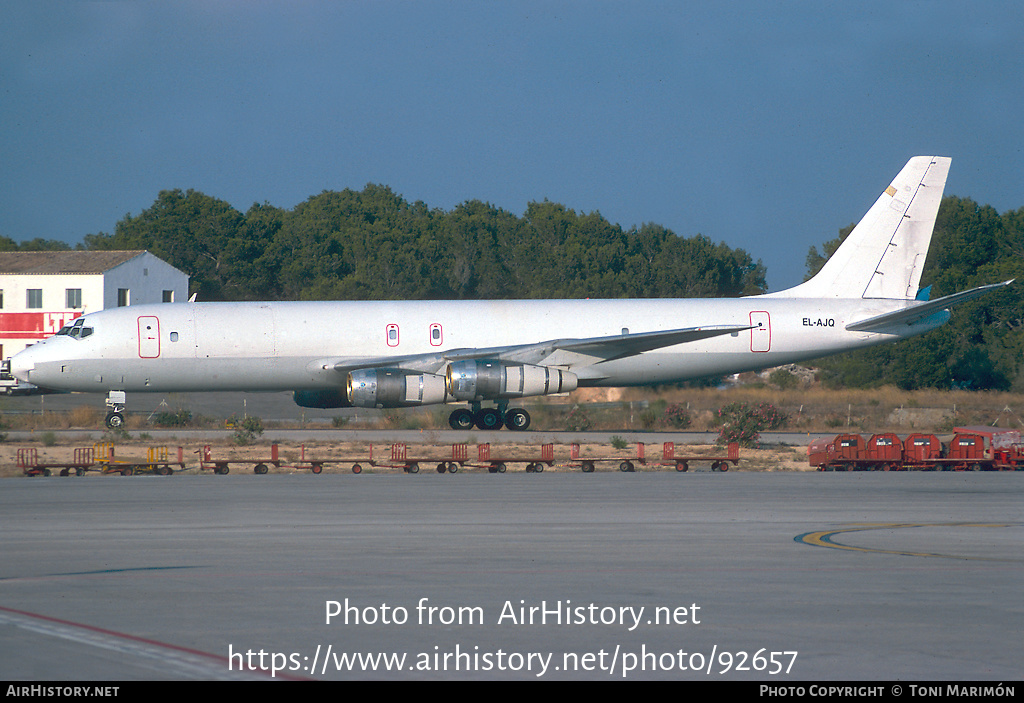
(760,331)
(149,337)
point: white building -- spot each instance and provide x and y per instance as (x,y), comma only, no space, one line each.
(41,291)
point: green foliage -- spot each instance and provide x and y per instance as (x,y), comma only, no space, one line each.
(577,420)
(743,423)
(374,245)
(176,418)
(37,244)
(246,429)
(189,230)
(783,379)
(618,442)
(648,418)
(677,417)
(113,436)
(815,260)
(834,420)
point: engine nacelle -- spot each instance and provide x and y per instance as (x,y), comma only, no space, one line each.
(489,379)
(394,388)
(321,399)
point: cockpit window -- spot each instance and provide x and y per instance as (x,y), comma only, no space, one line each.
(77,330)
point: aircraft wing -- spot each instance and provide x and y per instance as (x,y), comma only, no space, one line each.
(594,349)
(560,352)
(910,315)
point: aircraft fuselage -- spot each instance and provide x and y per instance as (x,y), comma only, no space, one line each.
(298,345)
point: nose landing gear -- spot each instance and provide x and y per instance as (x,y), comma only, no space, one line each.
(115,410)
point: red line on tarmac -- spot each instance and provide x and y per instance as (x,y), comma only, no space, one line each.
(142,640)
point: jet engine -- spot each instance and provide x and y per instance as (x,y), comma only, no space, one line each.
(394,388)
(320,399)
(490,379)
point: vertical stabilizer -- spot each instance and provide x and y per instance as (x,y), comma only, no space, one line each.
(884,254)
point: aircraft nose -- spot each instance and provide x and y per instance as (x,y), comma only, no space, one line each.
(22,365)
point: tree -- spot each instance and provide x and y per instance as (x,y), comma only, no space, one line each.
(188,230)
(815,260)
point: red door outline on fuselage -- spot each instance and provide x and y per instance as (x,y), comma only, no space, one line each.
(149,337)
(760,331)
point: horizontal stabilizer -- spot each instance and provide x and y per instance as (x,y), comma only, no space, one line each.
(910,315)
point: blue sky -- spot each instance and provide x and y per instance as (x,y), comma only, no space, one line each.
(765,125)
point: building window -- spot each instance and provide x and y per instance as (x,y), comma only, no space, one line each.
(168,296)
(122,297)
(34,298)
(1,300)
(74,298)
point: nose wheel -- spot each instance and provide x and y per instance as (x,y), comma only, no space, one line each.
(115,410)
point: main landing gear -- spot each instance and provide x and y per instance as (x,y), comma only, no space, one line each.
(489,418)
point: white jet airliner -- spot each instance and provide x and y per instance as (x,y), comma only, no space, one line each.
(399,354)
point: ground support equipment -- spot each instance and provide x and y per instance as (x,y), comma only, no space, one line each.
(220,466)
(682,463)
(966,451)
(317,465)
(28,461)
(400,459)
(588,464)
(498,464)
(157,461)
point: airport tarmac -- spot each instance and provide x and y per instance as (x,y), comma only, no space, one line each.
(778,577)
